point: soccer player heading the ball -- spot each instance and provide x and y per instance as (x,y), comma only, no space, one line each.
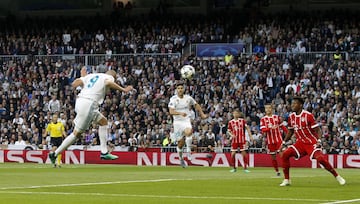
(307,132)
(91,96)
(179,108)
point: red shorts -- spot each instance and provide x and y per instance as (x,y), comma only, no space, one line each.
(241,146)
(303,149)
(274,148)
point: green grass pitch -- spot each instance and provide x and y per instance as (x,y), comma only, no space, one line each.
(40,183)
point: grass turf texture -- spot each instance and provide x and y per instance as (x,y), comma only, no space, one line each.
(38,183)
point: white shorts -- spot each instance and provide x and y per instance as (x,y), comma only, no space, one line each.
(87,111)
(179,127)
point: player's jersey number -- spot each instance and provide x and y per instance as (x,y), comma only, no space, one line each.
(93,81)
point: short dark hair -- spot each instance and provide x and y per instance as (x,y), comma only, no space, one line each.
(298,98)
(179,83)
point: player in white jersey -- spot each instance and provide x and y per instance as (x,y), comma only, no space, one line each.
(179,108)
(91,96)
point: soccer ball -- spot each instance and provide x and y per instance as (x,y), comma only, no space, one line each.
(187,71)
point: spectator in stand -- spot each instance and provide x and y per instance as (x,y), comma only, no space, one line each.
(18,120)
(334,148)
(20,140)
(54,105)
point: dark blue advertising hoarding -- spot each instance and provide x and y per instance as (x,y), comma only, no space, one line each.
(218,49)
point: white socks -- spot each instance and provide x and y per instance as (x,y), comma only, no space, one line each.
(178,149)
(188,142)
(102,137)
(180,152)
(69,140)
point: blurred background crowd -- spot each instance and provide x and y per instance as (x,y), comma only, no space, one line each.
(33,90)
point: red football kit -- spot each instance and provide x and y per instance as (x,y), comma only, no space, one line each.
(273,135)
(237,128)
(306,137)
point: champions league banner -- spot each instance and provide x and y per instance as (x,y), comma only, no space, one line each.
(218,49)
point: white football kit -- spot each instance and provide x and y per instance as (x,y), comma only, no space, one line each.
(181,123)
(90,97)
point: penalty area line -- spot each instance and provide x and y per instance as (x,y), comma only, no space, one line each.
(164,196)
(89,184)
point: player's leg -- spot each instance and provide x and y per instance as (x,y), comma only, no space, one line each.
(103,129)
(188,141)
(319,156)
(57,142)
(233,161)
(53,148)
(179,149)
(274,163)
(234,148)
(286,155)
(59,157)
(179,128)
(245,159)
(69,140)
(180,146)
(273,150)
(84,109)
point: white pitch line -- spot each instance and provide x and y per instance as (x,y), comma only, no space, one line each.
(343,201)
(89,184)
(165,196)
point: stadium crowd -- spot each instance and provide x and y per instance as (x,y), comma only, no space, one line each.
(32,90)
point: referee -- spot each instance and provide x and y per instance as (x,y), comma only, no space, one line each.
(57,132)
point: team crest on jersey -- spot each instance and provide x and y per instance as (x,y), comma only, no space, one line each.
(295,126)
(302,119)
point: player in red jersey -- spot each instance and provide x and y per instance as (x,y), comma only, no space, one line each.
(236,129)
(270,125)
(307,132)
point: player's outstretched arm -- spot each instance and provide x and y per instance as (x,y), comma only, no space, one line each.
(199,110)
(116,86)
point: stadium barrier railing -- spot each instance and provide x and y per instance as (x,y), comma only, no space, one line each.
(96,59)
(87,59)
